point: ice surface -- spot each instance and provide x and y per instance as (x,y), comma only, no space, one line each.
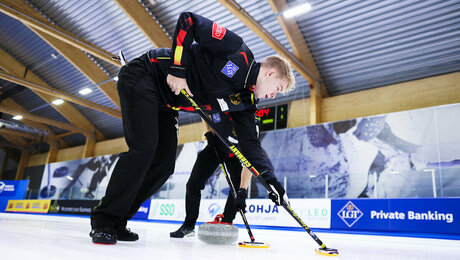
(24,236)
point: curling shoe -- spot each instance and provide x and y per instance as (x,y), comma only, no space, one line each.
(183,232)
(105,236)
(125,234)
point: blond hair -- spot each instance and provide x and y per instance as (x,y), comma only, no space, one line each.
(284,69)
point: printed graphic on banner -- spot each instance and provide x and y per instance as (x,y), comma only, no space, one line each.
(10,190)
(6,189)
(315,212)
(350,214)
(78,179)
(386,156)
(167,209)
(438,215)
(73,207)
(143,212)
(209,208)
(28,206)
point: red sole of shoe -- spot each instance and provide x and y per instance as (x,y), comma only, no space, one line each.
(106,244)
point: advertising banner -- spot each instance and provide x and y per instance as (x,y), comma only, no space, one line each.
(143,212)
(72,207)
(167,210)
(315,212)
(78,179)
(431,215)
(12,190)
(28,206)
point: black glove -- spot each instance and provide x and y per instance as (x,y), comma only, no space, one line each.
(278,195)
(211,138)
(241,197)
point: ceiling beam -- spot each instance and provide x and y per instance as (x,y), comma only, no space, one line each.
(59,136)
(60,94)
(145,22)
(295,37)
(14,139)
(11,104)
(84,64)
(45,120)
(21,11)
(33,137)
(266,36)
(15,68)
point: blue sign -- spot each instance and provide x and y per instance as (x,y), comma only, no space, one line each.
(229,69)
(431,215)
(10,190)
(350,214)
(143,212)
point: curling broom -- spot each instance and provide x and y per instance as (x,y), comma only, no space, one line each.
(323,250)
(253,243)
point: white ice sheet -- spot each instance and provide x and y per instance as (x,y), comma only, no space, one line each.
(33,237)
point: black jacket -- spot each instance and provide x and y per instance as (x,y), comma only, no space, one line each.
(220,71)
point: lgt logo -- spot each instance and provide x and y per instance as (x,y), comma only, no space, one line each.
(229,69)
(350,214)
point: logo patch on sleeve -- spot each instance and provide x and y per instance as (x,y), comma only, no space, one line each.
(229,69)
(218,31)
(216,118)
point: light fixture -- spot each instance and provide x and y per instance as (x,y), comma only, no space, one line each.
(18,117)
(57,101)
(85,91)
(115,78)
(296,10)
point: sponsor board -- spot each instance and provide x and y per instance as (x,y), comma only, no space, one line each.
(161,209)
(12,190)
(73,207)
(314,212)
(436,215)
(210,208)
(143,211)
(15,189)
(28,206)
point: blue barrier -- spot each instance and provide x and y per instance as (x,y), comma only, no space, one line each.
(12,190)
(430,215)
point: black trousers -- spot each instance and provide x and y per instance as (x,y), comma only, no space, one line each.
(205,165)
(151,134)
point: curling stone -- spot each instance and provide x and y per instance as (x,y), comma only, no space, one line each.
(218,232)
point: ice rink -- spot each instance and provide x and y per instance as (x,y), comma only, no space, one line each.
(30,237)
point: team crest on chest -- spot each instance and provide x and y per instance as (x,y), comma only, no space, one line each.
(229,69)
(235,99)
